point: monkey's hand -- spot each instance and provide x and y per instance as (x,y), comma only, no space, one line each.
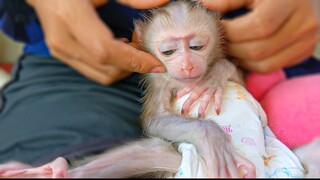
(55,169)
(205,93)
(214,145)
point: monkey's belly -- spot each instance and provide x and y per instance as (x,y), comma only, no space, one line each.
(242,117)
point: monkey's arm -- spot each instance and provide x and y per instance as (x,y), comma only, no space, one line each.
(211,88)
(212,143)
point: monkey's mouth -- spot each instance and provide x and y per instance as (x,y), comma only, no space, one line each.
(188,79)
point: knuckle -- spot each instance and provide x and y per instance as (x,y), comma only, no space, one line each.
(264,27)
(254,53)
(53,43)
(106,81)
(103,56)
(264,68)
(135,65)
(103,80)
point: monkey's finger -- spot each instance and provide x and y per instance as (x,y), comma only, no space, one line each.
(222,167)
(205,101)
(265,23)
(59,168)
(211,161)
(218,100)
(184,91)
(246,167)
(225,5)
(232,168)
(196,93)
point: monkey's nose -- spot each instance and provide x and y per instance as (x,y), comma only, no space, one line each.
(188,68)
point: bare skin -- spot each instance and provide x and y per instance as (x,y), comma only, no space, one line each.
(84,49)
(263,41)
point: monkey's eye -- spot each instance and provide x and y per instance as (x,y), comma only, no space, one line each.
(196,48)
(168,52)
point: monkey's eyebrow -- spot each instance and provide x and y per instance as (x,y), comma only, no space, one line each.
(198,41)
(176,38)
(166,46)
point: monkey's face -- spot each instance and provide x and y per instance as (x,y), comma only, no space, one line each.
(183,36)
(185,56)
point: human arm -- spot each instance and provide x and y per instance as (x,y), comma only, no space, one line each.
(273,35)
(94,51)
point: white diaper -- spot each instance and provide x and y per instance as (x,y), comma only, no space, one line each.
(243,118)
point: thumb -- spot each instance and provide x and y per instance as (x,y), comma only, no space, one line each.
(225,5)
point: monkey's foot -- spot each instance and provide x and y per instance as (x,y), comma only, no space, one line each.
(55,169)
(205,94)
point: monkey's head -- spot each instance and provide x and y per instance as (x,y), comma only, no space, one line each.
(185,36)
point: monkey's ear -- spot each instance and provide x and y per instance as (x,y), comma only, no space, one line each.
(138,25)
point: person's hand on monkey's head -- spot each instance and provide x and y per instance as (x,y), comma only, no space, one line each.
(273,35)
(77,36)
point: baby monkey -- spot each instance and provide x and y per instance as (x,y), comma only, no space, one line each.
(188,39)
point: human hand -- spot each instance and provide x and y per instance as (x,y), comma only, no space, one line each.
(75,35)
(275,34)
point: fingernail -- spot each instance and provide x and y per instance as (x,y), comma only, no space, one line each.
(158,69)
(217,111)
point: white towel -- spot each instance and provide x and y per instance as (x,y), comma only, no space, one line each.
(243,118)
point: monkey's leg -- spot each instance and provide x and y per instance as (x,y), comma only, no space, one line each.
(136,159)
(55,169)
(310,157)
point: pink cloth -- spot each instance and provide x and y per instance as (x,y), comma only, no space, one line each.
(292,105)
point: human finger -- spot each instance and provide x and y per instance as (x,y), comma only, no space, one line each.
(258,23)
(225,5)
(295,29)
(102,74)
(143,4)
(132,59)
(107,50)
(97,3)
(293,55)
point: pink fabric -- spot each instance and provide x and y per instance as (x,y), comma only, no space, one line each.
(292,105)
